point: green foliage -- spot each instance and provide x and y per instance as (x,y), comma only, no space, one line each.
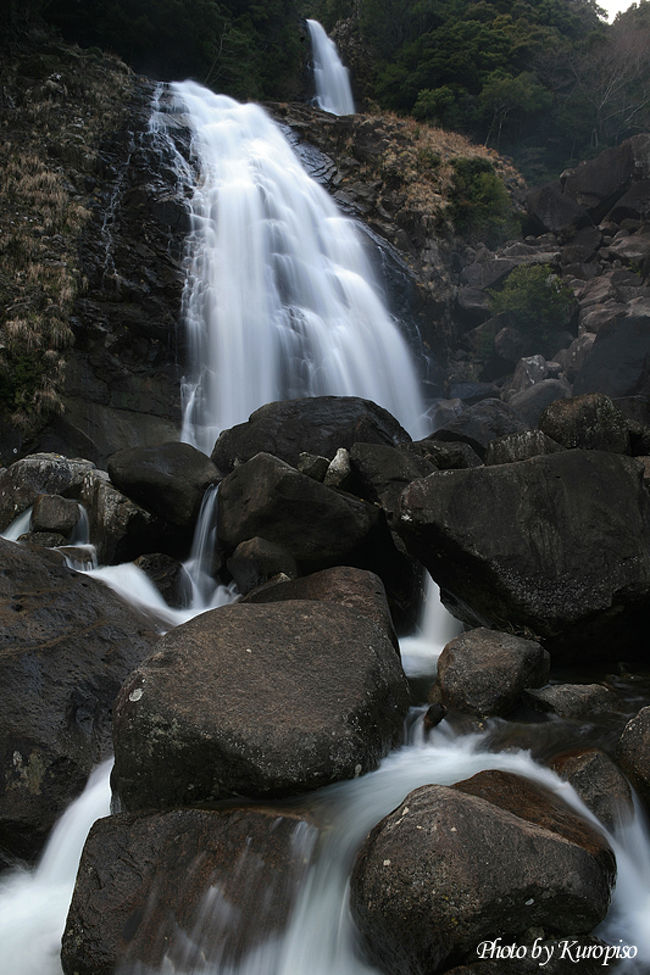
(535,300)
(244,48)
(480,206)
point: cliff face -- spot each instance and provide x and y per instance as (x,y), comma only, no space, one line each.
(89,275)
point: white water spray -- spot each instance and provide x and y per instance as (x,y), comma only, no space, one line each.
(280,300)
(331,77)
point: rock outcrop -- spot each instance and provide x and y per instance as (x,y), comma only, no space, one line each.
(258,701)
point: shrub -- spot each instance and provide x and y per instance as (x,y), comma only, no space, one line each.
(480,206)
(536,301)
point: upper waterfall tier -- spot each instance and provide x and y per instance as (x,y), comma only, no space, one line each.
(280,300)
(333,91)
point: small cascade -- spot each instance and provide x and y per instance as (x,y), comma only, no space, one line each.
(34,903)
(19,526)
(436,627)
(280,300)
(200,565)
(331,77)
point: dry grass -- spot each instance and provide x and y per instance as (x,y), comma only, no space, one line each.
(49,139)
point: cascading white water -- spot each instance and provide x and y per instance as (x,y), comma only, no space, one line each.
(280,300)
(331,77)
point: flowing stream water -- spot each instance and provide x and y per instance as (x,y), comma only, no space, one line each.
(331,77)
(280,301)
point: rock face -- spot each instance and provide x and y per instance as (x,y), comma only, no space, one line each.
(68,643)
(163,885)
(257,700)
(600,784)
(557,545)
(319,425)
(591,422)
(484,672)
(448,869)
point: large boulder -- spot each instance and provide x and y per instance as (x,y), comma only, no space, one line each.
(258,700)
(187,886)
(360,590)
(22,482)
(619,361)
(592,422)
(558,545)
(484,672)
(599,782)
(318,425)
(68,644)
(449,869)
(168,480)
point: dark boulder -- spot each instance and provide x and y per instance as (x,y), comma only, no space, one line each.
(447,870)
(68,644)
(169,885)
(120,529)
(168,480)
(550,208)
(52,513)
(382,472)
(257,700)
(478,425)
(557,545)
(37,474)
(256,561)
(484,671)
(633,753)
(599,782)
(619,361)
(591,422)
(318,425)
(317,525)
(530,403)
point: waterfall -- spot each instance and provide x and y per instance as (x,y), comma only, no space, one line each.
(280,300)
(333,91)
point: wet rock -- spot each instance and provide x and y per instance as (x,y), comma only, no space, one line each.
(520,446)
(318,425)
(257,560)
(549,208)
(312,465)
(169,480)
(358,589)
(68,642)
(599,783)
(338,470)
(573,701)
(257,700)
(484,672)
(168,576)
(482,423)
(120,529)
(161,889)
(633,753)
(446,870)
(591,422)
(530,564)
(22,482)
(43,539)
(52,513)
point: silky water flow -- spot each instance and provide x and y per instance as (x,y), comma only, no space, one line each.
(280,301)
